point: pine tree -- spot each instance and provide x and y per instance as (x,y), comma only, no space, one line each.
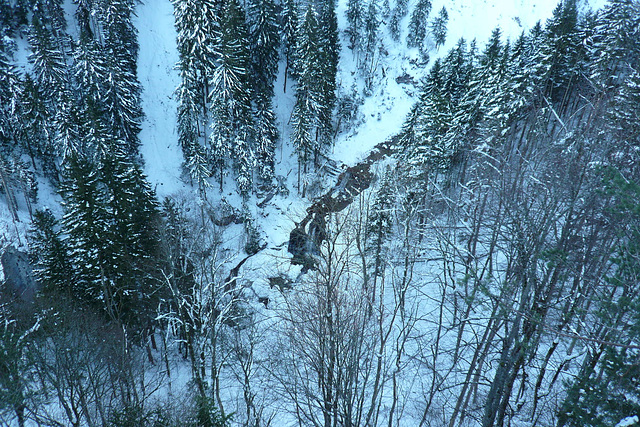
(355,24)
(50,253)
(289,28)
(399,12)
(615,46)
(329,53)
(308,98)
(264,44)
(49,66)
(231,98)
(439,27)
(418,24)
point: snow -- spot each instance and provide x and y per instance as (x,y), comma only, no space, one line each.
(629,421)
(159,79)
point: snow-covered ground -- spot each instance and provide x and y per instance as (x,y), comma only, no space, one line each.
(159,79)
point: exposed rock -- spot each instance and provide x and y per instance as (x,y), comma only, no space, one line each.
(305,239)
(18,273)
(281,282)
(406,78)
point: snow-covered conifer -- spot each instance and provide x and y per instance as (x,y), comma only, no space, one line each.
(439,27)
(418,24)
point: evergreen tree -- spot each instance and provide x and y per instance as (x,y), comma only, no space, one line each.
(379,224)
(122,104)
(37,134)
(418,24)
(132,239)
(385,10)
(49,66)
(399,12)
(111,228)
(431,120)
(85,223)
(10,130)
(189,129)
(616,42)
(439,27)
(289,27)
(91,70)
(264,44)
(231,98)
(371,43)
(50,254)
(67,125)
(308,98)
(119,34)
(561,50)
(198,28)
(329,54)
(355,23)
(605,391)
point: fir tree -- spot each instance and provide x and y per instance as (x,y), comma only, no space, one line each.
(111,228)
(616,40)
(371,43)
(49,66)
(289,27)
(231,98)
(561,50)
(355,23)
(37,134)
(91,70)
(308,97)
(418,24)
(605,391)
(439,27)
(264,43)
(50,254)
(328,56)
(85,223)
(399,12)
(119,34)
(122,108)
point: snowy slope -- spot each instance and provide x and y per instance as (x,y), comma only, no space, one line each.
(159,79)
(384,112)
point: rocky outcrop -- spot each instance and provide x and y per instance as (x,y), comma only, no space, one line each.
(18,273)
(308,235)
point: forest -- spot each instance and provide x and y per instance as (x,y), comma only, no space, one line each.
(480,267)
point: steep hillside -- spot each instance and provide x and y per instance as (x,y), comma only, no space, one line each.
(323,213)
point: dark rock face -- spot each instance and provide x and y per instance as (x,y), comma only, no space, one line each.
(18,273)
(305,239)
